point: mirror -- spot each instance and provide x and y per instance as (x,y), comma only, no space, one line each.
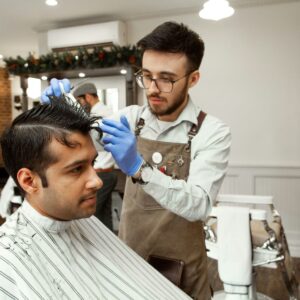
(116,85)
(111,90)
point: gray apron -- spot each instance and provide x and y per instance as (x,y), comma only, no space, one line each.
(149,229)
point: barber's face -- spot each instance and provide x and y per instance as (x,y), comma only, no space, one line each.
(72,181)
(84,103)
(172,66)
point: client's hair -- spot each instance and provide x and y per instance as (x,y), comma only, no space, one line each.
(25,143)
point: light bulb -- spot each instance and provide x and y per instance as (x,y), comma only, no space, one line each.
(51,2)
(216,10)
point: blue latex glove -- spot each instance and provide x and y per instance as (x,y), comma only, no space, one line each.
(121,143)
(54,89)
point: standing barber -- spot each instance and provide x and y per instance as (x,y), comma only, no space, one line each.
(175,155)
(87,96)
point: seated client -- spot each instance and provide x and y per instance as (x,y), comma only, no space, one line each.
(53,247)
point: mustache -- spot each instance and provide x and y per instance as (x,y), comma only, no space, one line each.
(87,196)
(155,95)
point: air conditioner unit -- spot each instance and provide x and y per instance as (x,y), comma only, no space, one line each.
(93,34)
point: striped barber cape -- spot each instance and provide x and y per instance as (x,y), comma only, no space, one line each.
(41,258)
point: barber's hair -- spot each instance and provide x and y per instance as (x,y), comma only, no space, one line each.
(175,38)
(25,143)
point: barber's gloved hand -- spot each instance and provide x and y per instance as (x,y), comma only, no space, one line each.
(54,89)
(121,142)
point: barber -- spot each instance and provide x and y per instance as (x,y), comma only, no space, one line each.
(174,154)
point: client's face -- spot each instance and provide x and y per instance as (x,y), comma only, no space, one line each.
(72,181)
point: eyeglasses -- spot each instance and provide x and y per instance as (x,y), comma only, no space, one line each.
(163,84)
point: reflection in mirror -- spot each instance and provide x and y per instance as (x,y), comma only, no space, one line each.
(109,97)
(111,89)
(116,85)
(33,92)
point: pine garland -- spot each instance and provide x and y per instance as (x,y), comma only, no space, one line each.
(96,57)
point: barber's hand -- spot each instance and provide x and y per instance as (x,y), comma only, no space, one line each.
(121,142)
(54,89)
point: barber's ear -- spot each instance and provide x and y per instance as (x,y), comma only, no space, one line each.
(194,78)
(28,180)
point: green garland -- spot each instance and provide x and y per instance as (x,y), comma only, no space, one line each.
(97,57)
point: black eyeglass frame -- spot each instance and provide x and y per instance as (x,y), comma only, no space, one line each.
(138,76)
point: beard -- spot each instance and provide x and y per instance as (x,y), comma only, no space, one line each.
(169,108)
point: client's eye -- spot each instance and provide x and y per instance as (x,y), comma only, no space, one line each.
(78,169)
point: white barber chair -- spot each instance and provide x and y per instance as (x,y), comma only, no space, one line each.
(240,237)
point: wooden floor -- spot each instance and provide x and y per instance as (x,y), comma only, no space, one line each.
(268,281)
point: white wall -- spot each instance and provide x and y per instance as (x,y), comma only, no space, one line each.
(250,78)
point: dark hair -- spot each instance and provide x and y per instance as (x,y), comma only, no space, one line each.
(175,38)
(25,143)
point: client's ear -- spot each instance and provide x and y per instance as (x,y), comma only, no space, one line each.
(28,180)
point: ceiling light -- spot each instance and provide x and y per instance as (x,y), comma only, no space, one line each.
(44,77)
(51,2)
(216,10)
(123,71)
(81,75)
